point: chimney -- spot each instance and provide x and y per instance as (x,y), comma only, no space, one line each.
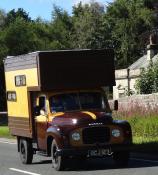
(152,48)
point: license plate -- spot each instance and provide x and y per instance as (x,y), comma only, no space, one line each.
(99,152)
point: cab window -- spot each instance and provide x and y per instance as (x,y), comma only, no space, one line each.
(77,101)
(42,103)
(64,102)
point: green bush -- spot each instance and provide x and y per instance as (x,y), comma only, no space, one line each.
(4,132)
(148,81)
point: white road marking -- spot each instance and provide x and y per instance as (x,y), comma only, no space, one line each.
(11,143)
(145,160)
(22,171)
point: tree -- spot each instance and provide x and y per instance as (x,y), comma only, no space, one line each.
(2,18)
(148,81)
(88,26)
(43,35)
(127,21)
(13,15)
(3,47)
(60,29)
(3,52)
(20,37)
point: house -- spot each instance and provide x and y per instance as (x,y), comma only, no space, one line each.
(126,78)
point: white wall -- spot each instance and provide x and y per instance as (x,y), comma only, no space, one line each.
(123,79)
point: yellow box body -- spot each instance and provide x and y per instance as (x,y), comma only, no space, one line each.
(20,107)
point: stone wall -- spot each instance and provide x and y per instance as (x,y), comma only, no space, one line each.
(139,104)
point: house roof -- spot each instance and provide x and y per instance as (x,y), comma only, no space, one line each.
(142,62)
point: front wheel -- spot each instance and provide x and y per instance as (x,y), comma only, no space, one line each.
(26,151)
(58,162)
(121,158)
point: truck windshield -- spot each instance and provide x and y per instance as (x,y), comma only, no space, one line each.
(76,101)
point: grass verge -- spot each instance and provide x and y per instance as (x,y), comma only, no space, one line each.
(4,132)
(144,131)
(144,128)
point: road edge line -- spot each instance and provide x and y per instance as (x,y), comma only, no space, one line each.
(22,171)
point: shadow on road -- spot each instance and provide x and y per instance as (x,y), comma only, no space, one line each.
(106,164)
(103,164)
(42,162)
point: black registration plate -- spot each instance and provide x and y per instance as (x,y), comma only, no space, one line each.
(99,152)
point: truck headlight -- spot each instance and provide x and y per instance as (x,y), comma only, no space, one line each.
(76,136)
(116,133)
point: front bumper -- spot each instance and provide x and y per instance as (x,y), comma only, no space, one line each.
(84,150)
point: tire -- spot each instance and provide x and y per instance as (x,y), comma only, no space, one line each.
(121,158)
(58,162)
(79,161)
(26,151)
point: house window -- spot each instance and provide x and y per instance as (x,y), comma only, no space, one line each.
(11,96)
(20,80)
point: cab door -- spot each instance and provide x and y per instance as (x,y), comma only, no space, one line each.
(41,123)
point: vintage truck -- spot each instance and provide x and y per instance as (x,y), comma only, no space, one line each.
(57,106)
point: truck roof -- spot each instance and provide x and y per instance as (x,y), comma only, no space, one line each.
(60,69)
(50,51)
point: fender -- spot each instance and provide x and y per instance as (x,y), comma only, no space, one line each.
(54,132)
(126,128)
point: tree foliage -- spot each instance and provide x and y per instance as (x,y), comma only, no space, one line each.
(88,26)
(20,37)
(119,26)
(13,15)
(148,81)
(128,20)
(60,29)
(2,18)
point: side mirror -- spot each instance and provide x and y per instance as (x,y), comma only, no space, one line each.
(116,105)
(37,111)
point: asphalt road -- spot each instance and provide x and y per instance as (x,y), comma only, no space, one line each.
(10,165)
